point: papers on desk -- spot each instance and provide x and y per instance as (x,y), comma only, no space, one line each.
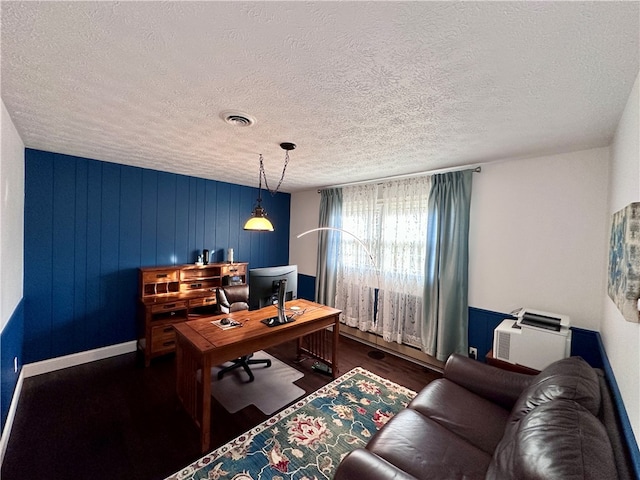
(226,326)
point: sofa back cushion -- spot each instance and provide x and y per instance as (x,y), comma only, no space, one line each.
(570,378)
(557,440)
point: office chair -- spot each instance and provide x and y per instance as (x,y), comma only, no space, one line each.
(233,298)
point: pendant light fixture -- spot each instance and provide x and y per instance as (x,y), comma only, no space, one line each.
(258,222)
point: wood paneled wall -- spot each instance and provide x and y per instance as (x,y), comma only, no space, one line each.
(89,225)
(11,340)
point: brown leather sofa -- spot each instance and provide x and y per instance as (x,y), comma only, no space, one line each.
(482,422)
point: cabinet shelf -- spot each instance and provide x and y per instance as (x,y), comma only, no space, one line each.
(161,288)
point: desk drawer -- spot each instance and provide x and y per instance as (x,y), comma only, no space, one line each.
(169,307)
(163,339)
(234,270)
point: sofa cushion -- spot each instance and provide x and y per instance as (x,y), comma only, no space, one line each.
(469,416)
(557,440)
(424,449)
(570,378)
(362,464)
(492,383)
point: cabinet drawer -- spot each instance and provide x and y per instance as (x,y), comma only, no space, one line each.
(234,270)
(202,302)
(160,276)
(163,338)
(200,284)
(169,307)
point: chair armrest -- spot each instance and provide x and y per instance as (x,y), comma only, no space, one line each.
(495,384)
(360,464)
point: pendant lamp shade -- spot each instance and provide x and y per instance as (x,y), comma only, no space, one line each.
(258,222)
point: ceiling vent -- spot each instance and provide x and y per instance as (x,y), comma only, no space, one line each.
(237,119)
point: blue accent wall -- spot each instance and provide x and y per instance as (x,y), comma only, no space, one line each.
(588,345)
(89,226)
(306,287)
(482,323)
(10,347)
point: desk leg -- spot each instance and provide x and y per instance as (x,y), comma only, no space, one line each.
(299,349)
(205,420)
(186,378)
(195,396)
(334,353)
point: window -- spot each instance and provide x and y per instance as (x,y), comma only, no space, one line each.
(391,219)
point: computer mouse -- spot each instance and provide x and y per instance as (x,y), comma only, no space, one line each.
(224,321)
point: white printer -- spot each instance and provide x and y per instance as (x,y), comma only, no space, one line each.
(534,339)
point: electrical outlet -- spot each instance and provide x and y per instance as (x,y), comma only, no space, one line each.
(473,353)
(15,364)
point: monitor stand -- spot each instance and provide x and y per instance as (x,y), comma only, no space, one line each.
(275,321)
(281,319)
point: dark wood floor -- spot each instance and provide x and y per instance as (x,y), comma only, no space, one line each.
(113,419)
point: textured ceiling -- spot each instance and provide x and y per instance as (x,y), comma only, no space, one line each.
(366,89)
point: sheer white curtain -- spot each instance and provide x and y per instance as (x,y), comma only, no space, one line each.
(357,277)
(391,219)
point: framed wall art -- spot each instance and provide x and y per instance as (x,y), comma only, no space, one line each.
(624,261)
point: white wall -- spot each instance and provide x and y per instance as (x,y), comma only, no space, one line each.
(622,338)
(304,216)
(538,235)
(11,217)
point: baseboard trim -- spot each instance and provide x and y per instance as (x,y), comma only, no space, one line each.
(6,431)
(402,351)
(58,363)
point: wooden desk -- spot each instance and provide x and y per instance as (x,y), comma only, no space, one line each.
(202,345)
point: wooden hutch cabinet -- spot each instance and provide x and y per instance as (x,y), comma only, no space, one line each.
(173,294)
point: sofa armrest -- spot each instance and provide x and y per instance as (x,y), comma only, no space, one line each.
(495,384)
(361,463)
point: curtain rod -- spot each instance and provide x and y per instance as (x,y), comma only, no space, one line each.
(476,169)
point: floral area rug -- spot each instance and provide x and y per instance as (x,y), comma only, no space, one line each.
(307,440)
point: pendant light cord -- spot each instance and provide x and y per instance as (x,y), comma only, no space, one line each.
(263,175)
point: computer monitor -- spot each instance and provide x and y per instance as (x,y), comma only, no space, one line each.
(264,284)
